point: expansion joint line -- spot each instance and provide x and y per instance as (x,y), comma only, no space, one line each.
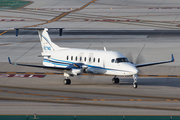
(5,32)
(25,5)
(57,17)
(63,15)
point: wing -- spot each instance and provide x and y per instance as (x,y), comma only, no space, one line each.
(155,63)
(40,66)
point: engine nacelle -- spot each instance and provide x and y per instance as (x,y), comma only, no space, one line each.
(89,70)
(76,71)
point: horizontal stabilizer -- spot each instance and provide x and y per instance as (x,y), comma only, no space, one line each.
(46,54)
(40,28)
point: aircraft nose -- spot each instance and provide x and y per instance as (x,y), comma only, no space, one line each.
(134,70)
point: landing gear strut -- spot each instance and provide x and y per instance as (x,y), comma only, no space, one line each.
(67,81)
(135,81)
(115,80)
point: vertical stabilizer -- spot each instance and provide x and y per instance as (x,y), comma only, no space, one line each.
(46,43)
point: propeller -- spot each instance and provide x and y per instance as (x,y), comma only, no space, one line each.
(130,58)
(139,59)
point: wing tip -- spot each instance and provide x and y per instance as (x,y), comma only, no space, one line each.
(9,60)
(172,58)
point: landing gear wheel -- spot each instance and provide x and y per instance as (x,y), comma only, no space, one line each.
(115,80)
(135,85)
(67,81)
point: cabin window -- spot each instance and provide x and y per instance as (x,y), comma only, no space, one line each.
(71,57)
(112,60)
(98,60)
(80,58)
(94,60)
(118,60)
(67,57)
(90,59)
(85,59)
(76,58)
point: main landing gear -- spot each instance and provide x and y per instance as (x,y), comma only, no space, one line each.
(67,81)
(115,80)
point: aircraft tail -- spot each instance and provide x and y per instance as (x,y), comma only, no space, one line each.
(46,43)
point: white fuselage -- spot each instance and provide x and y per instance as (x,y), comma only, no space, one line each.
(98,61)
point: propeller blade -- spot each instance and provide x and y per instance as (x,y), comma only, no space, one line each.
(140,60)
(129,57)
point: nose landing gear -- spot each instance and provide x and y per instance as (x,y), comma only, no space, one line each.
(134,85)
(135,81)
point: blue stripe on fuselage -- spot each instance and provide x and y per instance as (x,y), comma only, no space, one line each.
(67,63)
(55,63)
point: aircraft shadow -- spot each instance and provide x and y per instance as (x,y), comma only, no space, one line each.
(169,82)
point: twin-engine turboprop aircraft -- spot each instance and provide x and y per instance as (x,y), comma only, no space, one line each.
(75,61)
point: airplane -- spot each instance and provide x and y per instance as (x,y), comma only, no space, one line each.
(75,61)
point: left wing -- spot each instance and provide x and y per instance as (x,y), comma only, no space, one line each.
(40,66)
(155,63)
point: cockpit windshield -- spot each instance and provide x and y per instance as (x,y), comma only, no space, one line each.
(118,60)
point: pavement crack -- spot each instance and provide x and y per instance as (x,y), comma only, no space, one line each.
(26,52)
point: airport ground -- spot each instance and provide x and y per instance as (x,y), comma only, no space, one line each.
(93,95)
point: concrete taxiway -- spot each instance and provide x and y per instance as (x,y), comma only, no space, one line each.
(96,14)
(92,95)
